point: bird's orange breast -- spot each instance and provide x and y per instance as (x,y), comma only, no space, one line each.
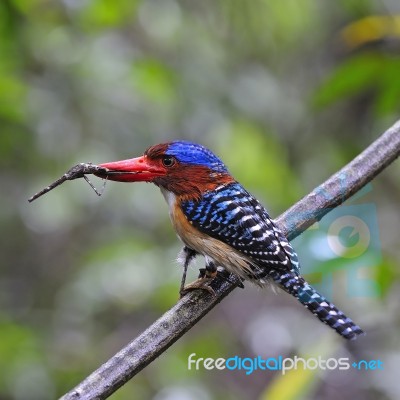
(223,254)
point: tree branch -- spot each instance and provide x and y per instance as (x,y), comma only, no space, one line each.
(184,315)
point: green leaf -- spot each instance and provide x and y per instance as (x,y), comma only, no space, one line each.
(388,99)
(108,13)
(386,274)
(352,77)
(154,80)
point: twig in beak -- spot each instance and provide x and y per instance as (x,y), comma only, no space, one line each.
(98,192)
(78,171)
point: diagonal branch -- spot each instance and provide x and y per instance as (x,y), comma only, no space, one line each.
(184,315)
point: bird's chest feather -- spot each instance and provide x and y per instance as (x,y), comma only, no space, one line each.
(220,252)
(191,236)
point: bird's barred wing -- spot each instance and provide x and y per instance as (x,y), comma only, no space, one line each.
(235,217)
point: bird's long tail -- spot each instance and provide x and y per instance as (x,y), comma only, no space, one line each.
(316,303)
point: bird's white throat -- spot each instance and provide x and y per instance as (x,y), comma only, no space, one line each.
(169,197)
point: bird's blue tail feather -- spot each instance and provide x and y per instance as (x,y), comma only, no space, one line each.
(316,303)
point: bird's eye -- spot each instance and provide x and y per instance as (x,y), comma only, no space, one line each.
(168,161)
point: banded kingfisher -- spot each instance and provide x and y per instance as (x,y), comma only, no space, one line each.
(216,217)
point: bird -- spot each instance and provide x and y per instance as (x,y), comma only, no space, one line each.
(216,217)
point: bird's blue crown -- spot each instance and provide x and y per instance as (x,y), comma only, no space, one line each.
(196,154)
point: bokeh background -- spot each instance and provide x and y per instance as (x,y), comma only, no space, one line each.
(285,92)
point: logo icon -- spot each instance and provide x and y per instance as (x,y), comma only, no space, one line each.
(343,250)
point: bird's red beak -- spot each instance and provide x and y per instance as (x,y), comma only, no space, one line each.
(133,170)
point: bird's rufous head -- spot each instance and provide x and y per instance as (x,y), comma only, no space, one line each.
(184,168)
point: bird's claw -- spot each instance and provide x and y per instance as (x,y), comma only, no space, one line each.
(200,283)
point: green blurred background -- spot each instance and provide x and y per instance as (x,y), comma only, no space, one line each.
(285,92)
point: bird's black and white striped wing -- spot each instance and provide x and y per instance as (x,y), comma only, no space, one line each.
(235,217)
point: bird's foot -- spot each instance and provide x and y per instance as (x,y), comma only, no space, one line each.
(205,277)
